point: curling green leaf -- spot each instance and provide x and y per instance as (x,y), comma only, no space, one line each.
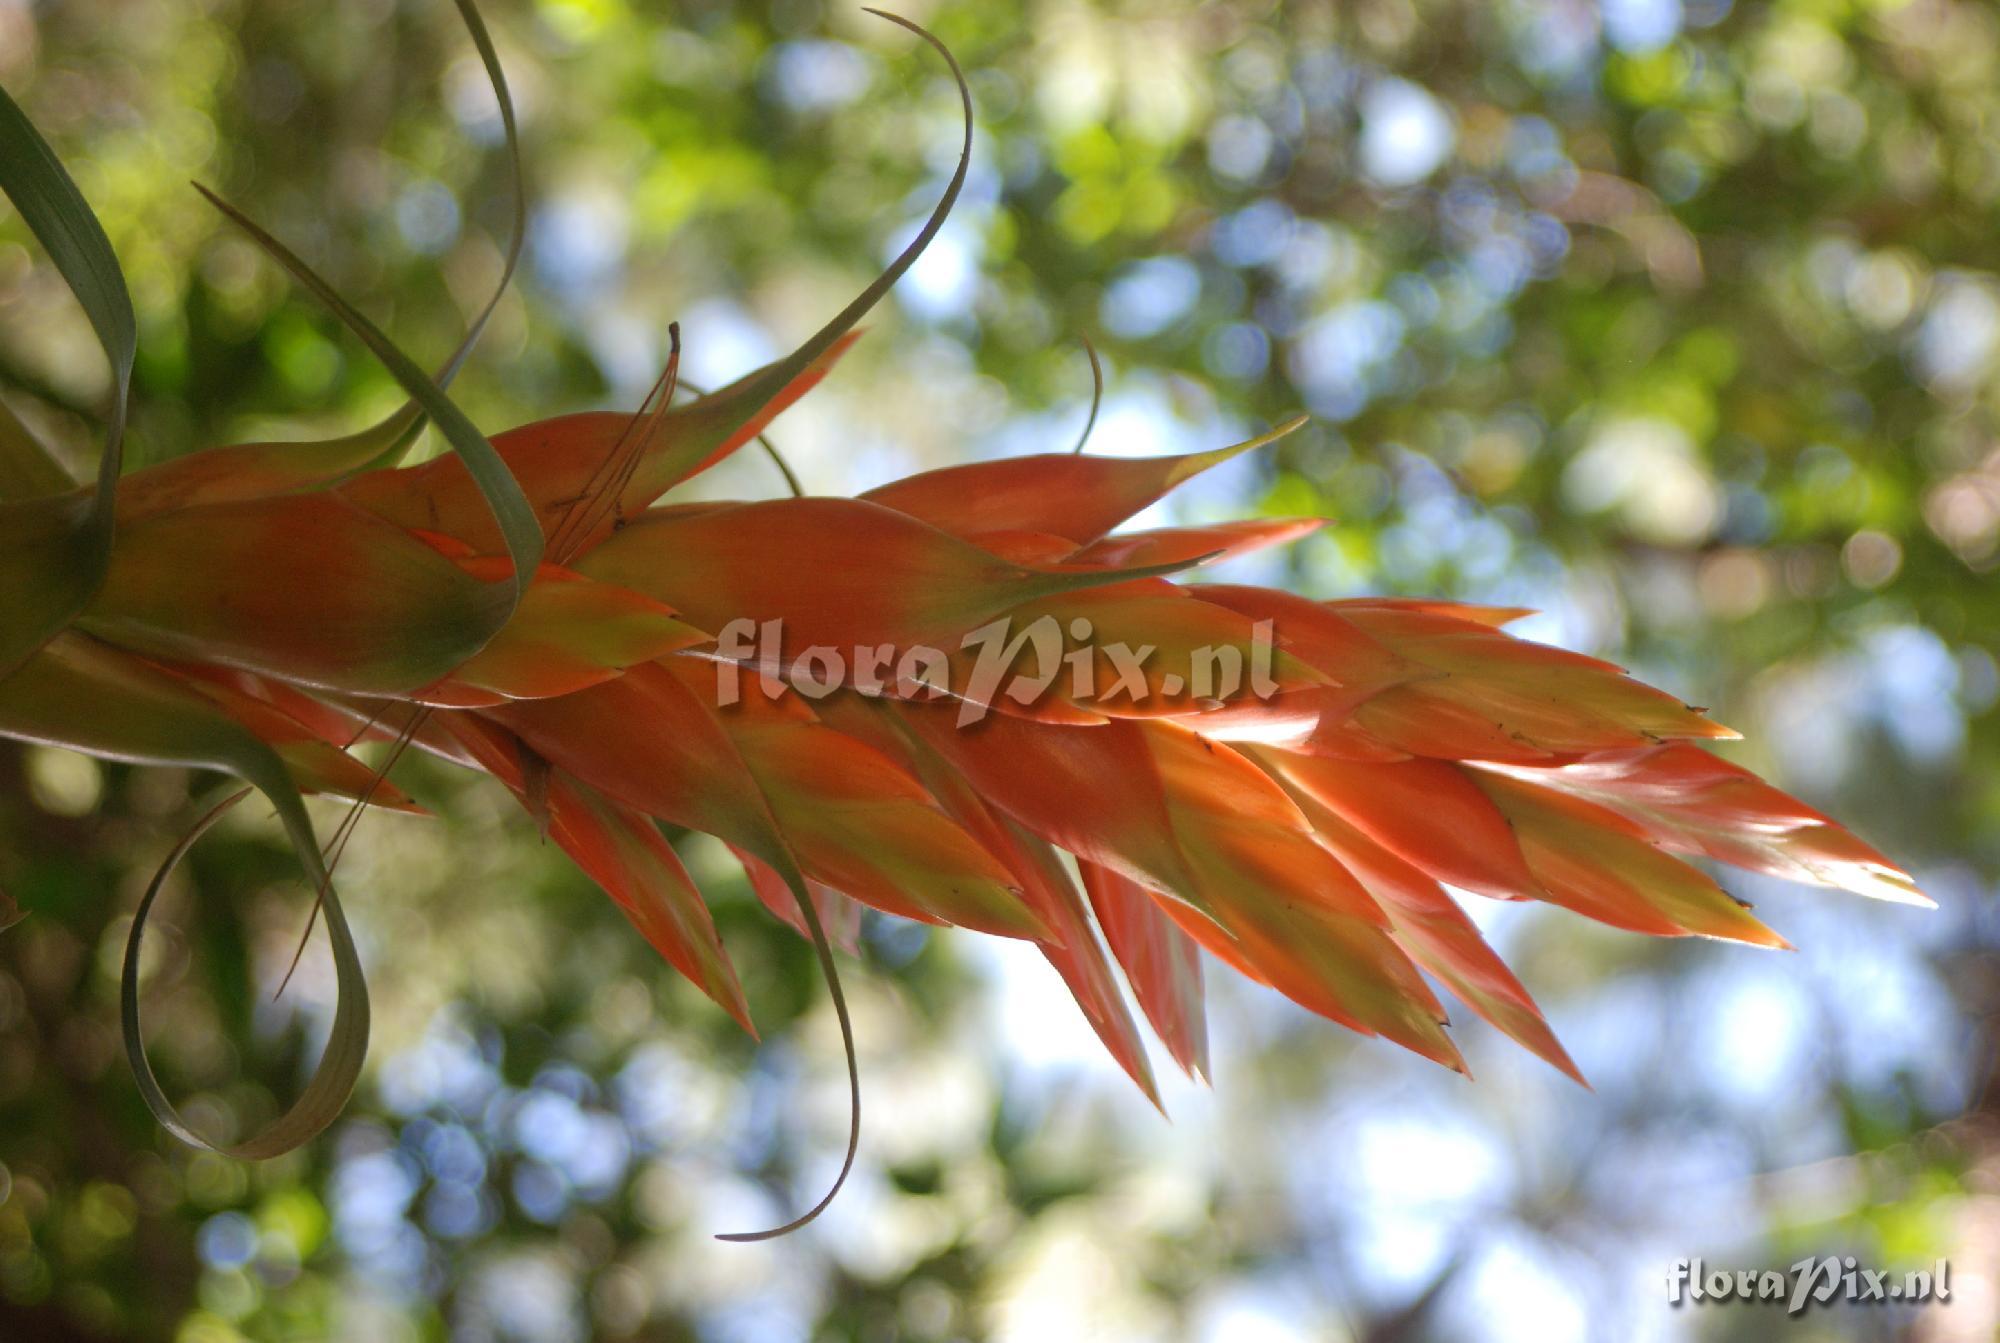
(54,547)
(254,470)
(86,695)
(706,429)
(511,510)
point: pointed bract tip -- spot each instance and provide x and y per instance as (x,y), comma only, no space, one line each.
(1892,886)
(1197,462)
(1757,934)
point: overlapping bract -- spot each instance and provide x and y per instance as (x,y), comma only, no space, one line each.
(524,609)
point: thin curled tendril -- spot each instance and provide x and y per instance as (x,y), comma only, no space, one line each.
(326,1094)
(1096,394)
(337,846)
(399,431)
(824,951)
(806,910)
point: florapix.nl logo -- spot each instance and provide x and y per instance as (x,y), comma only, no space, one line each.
(1042,658)
(1818,1281)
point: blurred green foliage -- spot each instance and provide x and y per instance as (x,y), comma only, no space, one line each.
(1676,319)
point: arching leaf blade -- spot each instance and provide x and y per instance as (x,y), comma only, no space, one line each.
(519,527)
(56,546)
(252,470)
(83,694)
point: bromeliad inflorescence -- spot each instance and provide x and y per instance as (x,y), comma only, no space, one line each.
(1287,784)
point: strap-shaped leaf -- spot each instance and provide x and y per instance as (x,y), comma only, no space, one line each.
(518,525)
(518,233)
(696,436)
(558,459)
(511,510)
(339,1067)
(27,467)
(710,421)
(253,470)
(56,546)
(83,694)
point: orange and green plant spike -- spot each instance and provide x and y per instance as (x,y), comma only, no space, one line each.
(260,609)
